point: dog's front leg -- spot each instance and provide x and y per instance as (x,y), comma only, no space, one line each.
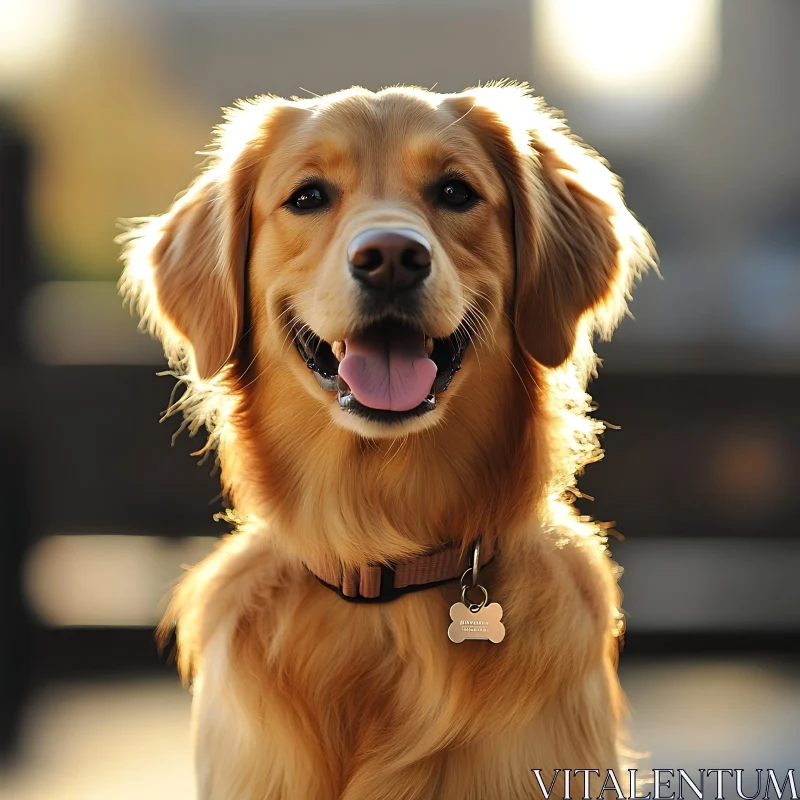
(245,750)
(237,760)
(577,729)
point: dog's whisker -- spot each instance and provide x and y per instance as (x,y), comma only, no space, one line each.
(487,335)
(481,294)
(477,312)
(481,315)
(250,383)
(252,361)
(255,354)
(522,382)
(286,326)
(480,325)
(470,331)
(296,333)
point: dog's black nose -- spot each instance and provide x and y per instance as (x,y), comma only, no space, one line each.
(390,259)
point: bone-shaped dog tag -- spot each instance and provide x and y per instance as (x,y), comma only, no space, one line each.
(484,623)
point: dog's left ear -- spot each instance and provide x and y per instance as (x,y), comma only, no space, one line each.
(577,247)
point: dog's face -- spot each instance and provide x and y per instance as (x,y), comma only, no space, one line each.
(381,249)
(387,244)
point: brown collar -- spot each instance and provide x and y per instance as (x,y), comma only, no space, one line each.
(380,583)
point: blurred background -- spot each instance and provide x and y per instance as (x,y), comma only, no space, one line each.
(103,104)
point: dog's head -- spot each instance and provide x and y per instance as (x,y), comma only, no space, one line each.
(367,247)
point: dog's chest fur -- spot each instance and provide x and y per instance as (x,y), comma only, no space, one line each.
(301,694)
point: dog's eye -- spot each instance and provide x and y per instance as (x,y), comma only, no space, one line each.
(308,198)
(456,194)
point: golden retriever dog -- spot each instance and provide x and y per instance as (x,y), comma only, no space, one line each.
(382,308)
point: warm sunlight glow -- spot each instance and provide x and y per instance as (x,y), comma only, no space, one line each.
(648,49)
(32,34)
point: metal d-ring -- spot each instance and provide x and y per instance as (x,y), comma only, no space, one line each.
(474,607)
(476,560)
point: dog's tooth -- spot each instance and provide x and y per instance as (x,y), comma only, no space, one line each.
(345,395)
(428,345)
(339,349)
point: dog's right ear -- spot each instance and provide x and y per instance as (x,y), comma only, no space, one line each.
(184,271)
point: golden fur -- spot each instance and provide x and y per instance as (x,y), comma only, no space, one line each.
(298,694)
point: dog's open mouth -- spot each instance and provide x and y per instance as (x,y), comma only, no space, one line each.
(389,372)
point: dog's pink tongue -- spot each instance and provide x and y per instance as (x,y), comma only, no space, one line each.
(388,369)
